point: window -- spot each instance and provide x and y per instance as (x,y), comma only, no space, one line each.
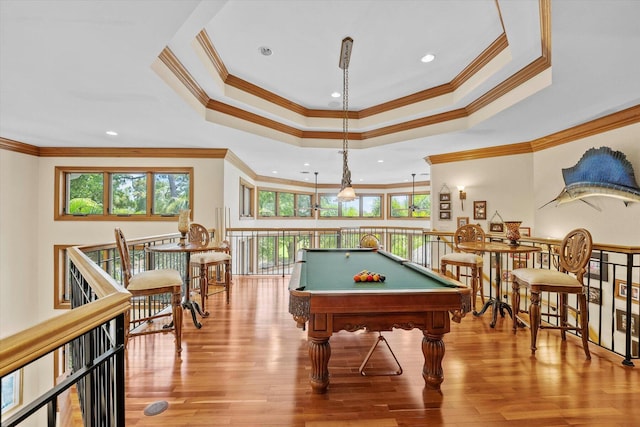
(85,193)
(246,199)
(399,205)
(273,203)
(105,193)
(266,203)
(364,206)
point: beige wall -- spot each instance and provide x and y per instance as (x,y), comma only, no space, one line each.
(615,223)
(503,182)
(19,247)
(517,186)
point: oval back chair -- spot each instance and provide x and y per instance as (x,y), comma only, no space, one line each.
(574,254)
(457,259)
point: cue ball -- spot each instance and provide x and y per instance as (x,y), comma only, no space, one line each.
(347,254)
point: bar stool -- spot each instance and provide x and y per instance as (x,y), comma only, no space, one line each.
(474,262)
(574,255)
(210,257)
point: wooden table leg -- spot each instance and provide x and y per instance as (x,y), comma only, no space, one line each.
(433,350)
(319,353)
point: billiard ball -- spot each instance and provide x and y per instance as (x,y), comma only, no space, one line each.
(347,254)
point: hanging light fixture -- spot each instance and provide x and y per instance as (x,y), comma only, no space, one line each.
(346,193)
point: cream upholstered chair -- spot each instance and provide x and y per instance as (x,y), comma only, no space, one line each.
(457,259)
(574,255)
(204,261)
(151,282)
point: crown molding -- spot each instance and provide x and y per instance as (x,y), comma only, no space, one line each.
(257,93)
(604,124)
(19,147)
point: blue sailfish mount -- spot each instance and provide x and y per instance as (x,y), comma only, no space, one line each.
(600,172)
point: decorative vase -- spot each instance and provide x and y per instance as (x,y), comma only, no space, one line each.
(183,225)
(513,231)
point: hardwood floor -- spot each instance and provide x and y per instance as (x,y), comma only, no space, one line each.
(248,366)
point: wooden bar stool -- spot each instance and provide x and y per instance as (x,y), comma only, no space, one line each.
(474,262)
(211,258)
(574,255)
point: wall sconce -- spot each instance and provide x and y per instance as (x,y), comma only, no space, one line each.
(463,195)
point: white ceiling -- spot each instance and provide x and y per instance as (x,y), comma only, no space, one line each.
(71,70)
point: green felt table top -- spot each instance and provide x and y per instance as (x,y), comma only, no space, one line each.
(333,270)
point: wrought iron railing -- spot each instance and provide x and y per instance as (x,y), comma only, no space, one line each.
(90,337)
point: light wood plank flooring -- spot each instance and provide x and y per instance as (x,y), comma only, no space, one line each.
(248,366)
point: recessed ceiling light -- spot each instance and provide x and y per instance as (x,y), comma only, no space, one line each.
(111,133)
(274,171)
(336,95)
(380,161)
(265,51)
(428,57)
(306,164)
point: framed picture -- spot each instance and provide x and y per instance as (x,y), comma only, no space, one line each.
(596,269)
(519,263)
(445,215)
(445,197)
(11,391)
(445,206)
(463,220)
(621,323)
(622,291)
(594,296)
(496,227)
(634,348)
(480,209)
(525,231)
(543,259)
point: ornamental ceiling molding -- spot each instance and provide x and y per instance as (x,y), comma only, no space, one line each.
(276,117)
(604,124)
(620,119)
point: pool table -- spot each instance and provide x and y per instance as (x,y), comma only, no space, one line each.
(324,295)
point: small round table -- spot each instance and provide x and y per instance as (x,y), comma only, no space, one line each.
(497,248)
(187,249)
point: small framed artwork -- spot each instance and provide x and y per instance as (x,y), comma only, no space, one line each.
(445,197)
(519,263)
(594,296)
(445,215)
(622,291)
(596,269)
(463,220)
(543,259)
(621,323)
(634,348)
(496,227)
(525,231)
(445,206)
(11,391)
(480,209)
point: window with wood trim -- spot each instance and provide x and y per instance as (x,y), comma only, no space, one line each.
(246,199)
(99,193)
(407,205)
(364,206)
(284,204)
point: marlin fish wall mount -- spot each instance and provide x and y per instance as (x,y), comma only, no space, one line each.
(600,172)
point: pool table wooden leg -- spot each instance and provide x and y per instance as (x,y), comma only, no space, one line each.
(319,353)
(433,350)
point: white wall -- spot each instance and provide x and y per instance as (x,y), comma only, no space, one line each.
(517,186)
(615,223)
(503,182)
